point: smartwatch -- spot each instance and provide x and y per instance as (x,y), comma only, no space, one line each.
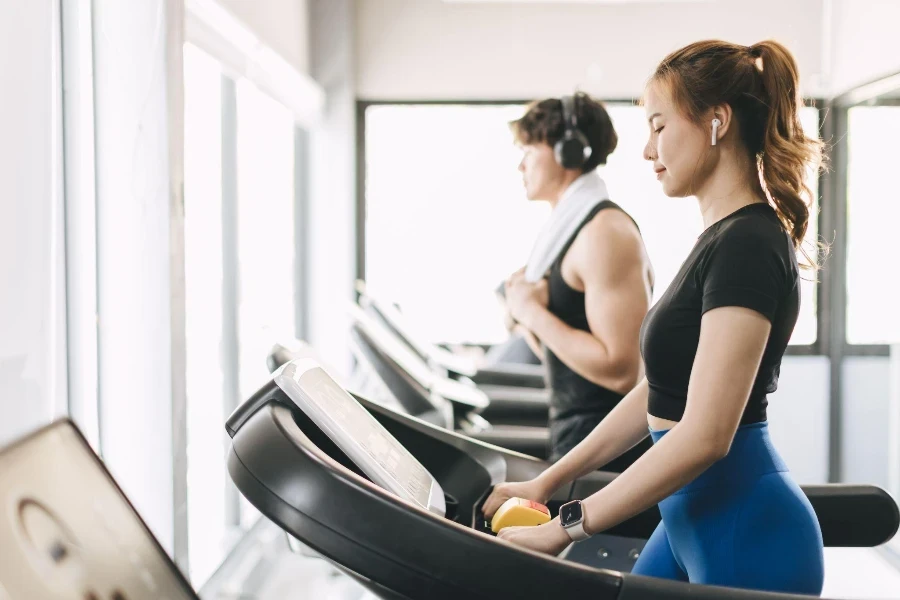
(571,517)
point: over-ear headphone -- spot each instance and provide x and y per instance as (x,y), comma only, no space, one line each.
(573,150)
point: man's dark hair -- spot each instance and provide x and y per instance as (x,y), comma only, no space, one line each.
(543,123)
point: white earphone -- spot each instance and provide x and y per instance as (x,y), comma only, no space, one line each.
(715,129)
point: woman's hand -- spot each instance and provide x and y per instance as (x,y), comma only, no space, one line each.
(523,297)
(529,490)
(549,538)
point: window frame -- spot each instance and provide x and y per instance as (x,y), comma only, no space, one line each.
(840,163)
(834,285)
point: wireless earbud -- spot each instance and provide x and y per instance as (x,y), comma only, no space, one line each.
(715,129)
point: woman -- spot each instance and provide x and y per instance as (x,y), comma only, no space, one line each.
(724,127)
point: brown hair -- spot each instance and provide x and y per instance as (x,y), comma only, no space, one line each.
(760,83)
(543,123)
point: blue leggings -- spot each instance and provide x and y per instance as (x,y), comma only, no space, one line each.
(743,523)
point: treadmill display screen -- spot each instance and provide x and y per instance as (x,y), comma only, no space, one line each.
(365,441)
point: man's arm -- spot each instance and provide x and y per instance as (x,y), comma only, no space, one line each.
(609,259)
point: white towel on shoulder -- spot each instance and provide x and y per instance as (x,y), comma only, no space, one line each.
(577,201)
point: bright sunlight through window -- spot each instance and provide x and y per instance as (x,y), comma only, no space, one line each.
(447,218)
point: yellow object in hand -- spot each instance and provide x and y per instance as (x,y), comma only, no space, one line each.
(517,512)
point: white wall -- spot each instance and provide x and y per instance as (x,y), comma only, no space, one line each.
(418,49)
(32,277)
(865,42)
(332,185)
(864,420)
(282,24)
(893,459)
(798,417)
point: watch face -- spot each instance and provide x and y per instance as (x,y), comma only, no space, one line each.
(570,514)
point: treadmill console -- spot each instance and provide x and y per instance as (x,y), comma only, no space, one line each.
(67,532)
(359,435)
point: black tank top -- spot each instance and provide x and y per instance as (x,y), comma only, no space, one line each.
(572,394)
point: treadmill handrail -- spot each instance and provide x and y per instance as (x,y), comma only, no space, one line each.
(830,504)
(518,397)
(428,351)
(406,360)
(391,346)
(460,393)
(512,374)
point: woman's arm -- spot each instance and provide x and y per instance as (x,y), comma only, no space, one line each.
(732,342)
(621,430)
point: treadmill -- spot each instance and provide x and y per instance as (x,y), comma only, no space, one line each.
(68,531)
(517,391)
(394,501)
(389,373)
(425,392)
(363,382)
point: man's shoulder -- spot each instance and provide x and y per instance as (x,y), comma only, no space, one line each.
(608,248)
(610,229)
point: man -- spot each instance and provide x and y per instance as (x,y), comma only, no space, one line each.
(582,296)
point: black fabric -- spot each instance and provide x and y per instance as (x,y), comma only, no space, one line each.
(747,259)
(573,398)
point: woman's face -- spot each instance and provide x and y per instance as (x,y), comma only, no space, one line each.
(678,148)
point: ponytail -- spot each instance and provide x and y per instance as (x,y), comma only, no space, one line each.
(786,151)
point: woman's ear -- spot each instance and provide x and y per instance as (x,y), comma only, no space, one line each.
(720,120)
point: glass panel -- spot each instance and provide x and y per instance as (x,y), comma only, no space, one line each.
(265,161)
(806,330)
(872,215)
(206,476)
(446,226)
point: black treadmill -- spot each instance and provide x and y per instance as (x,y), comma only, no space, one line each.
(67,530)
(306,453)
(517,391)
(424,392)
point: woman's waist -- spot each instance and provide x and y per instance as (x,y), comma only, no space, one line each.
(668,403)
(658,424)
(751,456)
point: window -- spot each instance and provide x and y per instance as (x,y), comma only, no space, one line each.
(806,330)
(207,478)
(872,214)
(265,161)
(239,281)
(447,220)
(265,179)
